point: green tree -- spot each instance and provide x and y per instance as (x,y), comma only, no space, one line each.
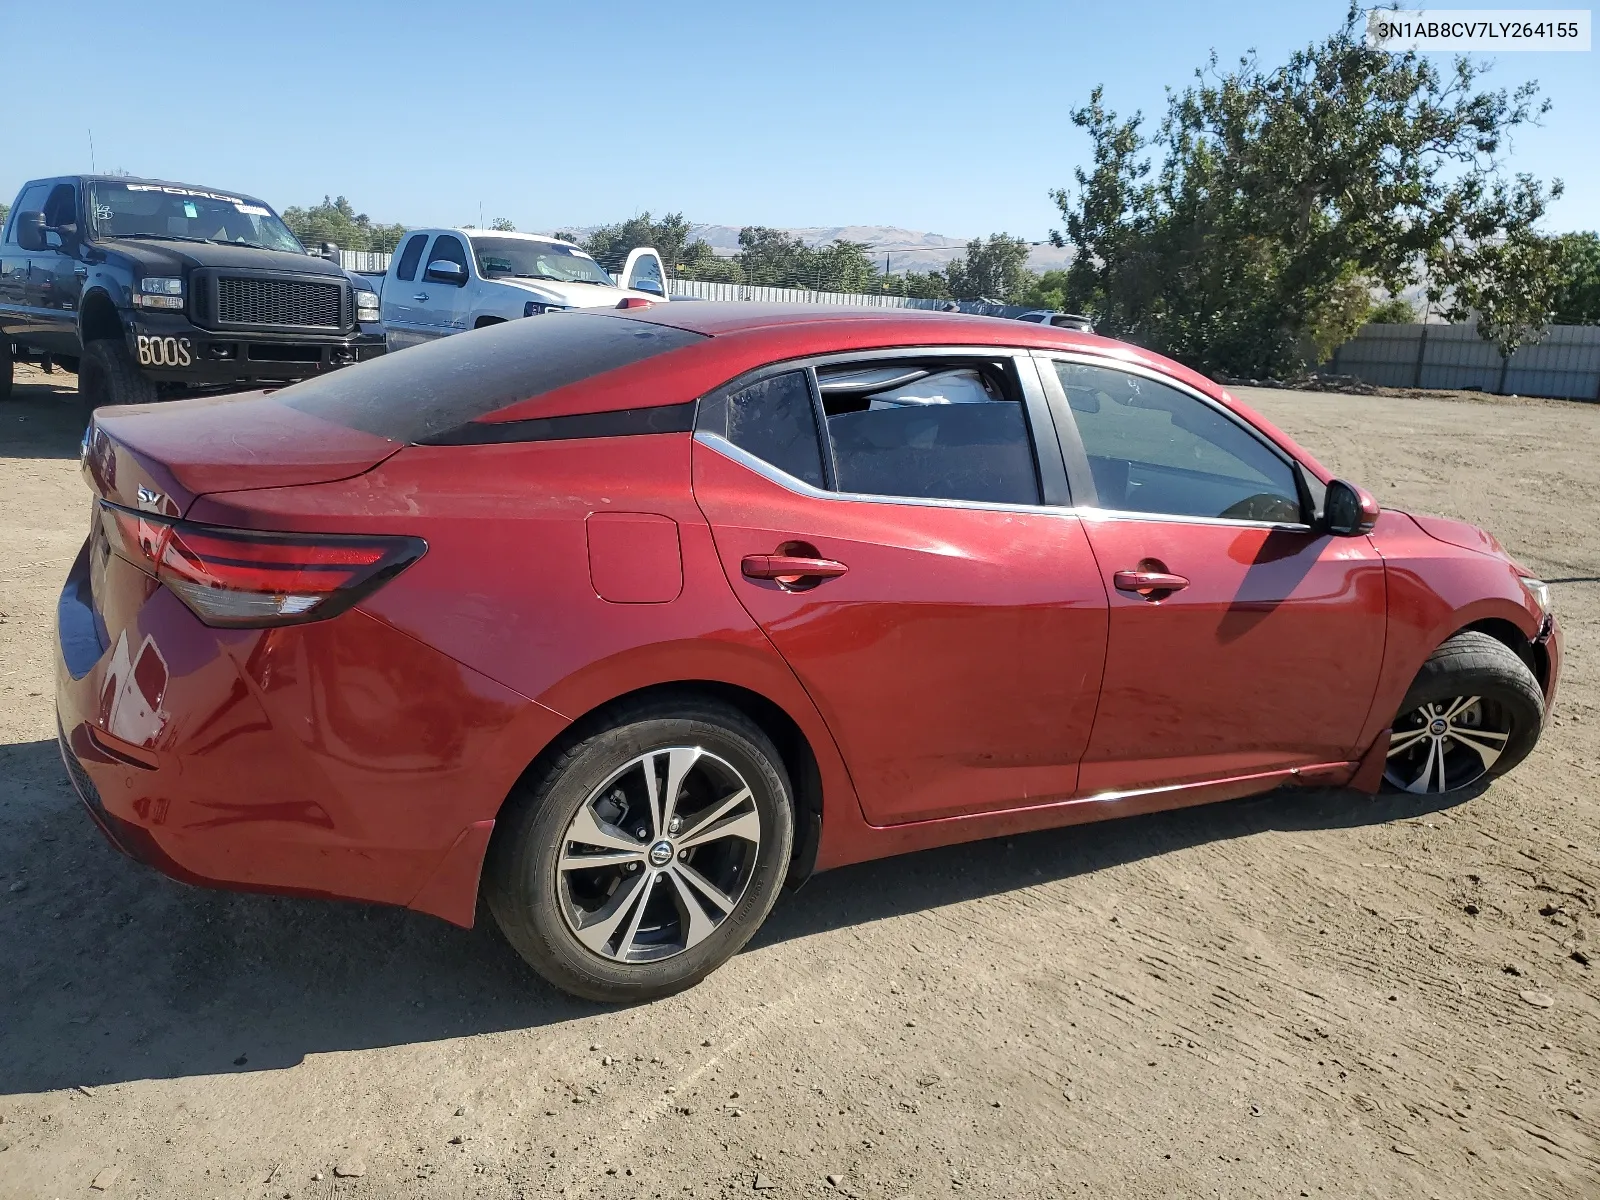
(671,236)
(996,269)
(1393,311)
(336,220)
(1577,299)
(502,225)
(1048,290)
(1284,196)
(5,211)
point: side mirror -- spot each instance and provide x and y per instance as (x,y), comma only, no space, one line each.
(330,251)
(652,286)
(30,231)
(1348,510)
(442,270)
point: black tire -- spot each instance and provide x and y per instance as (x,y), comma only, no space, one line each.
(1509,713)
(5,370)
(523,885)
(108,375)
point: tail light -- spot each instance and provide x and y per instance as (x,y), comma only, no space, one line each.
(244,579)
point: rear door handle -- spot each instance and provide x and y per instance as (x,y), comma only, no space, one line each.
(789,566)
(420,297)
(1148,583)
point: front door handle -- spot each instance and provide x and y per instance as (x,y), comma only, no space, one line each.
(1152,585)
(420,297)
(790,566)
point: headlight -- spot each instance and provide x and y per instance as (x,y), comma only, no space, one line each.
(1540,591)
(534,307)
(366,306)
(159,291)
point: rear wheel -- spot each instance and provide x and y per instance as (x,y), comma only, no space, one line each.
(1473,712)
(108,375)
(646,854)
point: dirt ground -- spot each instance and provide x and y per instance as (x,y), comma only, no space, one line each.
(1307,994)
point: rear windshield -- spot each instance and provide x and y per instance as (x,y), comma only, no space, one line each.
(427,390)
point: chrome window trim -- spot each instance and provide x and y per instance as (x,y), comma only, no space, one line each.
(800,487)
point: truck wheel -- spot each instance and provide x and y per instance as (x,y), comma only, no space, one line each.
(5,370)
(108,376)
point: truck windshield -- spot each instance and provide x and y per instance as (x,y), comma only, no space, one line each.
(527,259)
(163,210)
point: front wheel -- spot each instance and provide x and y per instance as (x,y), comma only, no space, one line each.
(108,375)
(1473,712)
(646,854)
(5,370)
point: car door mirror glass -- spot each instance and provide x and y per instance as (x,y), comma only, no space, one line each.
(442,270)
(1348,510)
(30,231)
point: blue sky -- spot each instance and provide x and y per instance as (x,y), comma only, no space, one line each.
(950,117)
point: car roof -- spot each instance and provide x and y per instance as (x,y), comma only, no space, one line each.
(174,183)
(470,233)
(861,326)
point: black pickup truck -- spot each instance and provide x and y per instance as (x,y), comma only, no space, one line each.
(148,288)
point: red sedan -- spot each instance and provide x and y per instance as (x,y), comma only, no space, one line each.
(626,618)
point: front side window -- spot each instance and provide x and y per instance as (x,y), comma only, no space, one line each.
(31,200)
(409,257)
(1155,449)
(173,212)
(449,248)
(62,206)
(526,258)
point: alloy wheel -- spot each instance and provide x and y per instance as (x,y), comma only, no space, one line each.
(1446,744)
(658,856)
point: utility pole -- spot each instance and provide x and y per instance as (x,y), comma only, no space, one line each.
(91,152)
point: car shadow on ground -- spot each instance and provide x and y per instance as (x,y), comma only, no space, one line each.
(42,419)
(114,972)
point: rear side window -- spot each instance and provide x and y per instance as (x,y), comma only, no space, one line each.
(776,421)
(412,255)
(939,431)
(428,390)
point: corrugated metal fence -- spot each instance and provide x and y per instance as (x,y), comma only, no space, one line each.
(1564,364)
(368,262)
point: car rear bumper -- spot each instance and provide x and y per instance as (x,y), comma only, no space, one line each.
(337,759)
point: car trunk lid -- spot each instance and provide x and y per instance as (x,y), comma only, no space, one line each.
(160,457)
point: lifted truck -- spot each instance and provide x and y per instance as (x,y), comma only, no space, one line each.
(150,289)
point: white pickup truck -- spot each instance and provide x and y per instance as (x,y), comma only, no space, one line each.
(444,281)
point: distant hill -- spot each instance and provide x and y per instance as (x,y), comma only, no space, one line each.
(905,249)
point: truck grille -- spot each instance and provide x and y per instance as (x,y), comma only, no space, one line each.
(292,303)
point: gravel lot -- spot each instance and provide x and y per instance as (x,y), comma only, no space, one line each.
(1307,994)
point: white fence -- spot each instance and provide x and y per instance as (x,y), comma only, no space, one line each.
(368,262)
(1564,364)
(375,263)
(701,290)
